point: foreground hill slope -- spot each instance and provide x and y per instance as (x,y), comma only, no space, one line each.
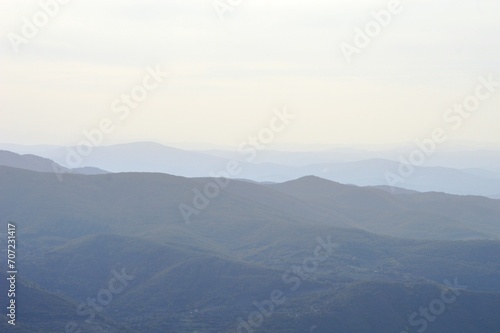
(379,307)
(40,311)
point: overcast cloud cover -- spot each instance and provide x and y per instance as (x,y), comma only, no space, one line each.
(226,76)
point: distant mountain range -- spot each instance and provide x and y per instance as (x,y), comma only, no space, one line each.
(465,173)
(384,254)
(40,164)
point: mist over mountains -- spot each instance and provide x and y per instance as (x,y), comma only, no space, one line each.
(155,252)
(229,166)
(468,172)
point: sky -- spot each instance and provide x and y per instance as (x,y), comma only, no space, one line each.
(231,66)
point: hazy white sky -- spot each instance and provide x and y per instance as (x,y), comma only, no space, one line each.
(227,76)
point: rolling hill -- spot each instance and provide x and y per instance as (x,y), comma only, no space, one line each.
(248,241)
